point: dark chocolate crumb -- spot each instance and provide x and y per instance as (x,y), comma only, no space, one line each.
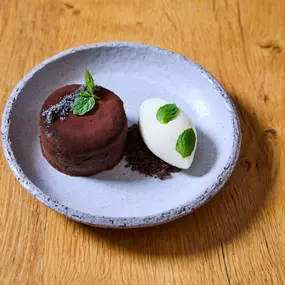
(140,158)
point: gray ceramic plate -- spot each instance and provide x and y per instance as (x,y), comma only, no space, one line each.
(121,198)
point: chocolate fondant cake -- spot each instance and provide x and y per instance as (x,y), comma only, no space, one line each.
(83,145)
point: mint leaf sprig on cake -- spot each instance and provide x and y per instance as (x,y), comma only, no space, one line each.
(86,99)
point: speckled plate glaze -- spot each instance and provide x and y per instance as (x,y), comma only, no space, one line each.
(120,198)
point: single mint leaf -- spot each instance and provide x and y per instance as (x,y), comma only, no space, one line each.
(167,113)
(89,81)
(186,143)
(82,105)
(85,94)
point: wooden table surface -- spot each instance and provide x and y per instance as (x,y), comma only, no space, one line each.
(239,236)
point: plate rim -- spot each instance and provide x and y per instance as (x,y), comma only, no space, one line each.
(121,222)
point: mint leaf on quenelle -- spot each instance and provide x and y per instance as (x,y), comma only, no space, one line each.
(89,81)
(82,105)
(167,113)
(186,143)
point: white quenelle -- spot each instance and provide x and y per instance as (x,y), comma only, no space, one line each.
(161,138)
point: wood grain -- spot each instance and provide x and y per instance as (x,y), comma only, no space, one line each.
(239,236)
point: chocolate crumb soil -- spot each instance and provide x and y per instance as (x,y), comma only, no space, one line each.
(140,158)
